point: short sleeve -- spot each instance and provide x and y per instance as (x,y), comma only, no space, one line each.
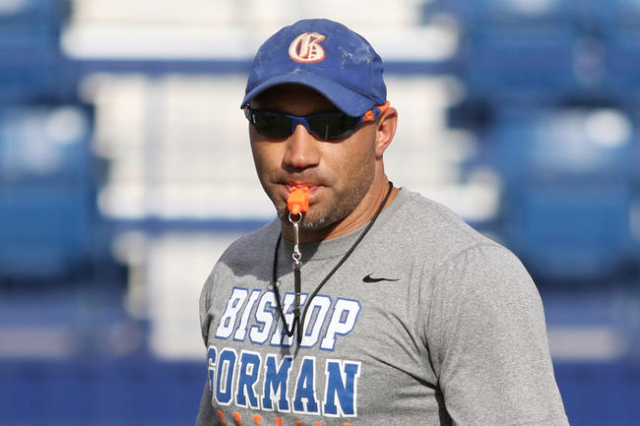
(488,342)
(206,415)
(205,302)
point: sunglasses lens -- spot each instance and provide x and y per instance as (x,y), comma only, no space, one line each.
(271,124)
(332,125)
(326,126)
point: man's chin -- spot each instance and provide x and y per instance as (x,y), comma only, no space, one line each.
(313,225)
(308,223)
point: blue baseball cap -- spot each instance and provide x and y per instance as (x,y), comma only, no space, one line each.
(325,56)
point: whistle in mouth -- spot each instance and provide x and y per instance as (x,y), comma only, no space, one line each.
(298,201)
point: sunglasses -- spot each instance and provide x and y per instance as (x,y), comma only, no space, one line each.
(328,126)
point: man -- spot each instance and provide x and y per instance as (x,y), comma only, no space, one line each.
(393,311)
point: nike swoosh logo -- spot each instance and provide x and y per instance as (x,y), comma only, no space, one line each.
(370,279)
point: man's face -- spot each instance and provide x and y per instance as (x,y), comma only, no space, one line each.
(338,173)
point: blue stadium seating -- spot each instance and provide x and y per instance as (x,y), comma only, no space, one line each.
(495,13)
(538,52)
(623,63)
(100,392)
(534,65)
(28,67)
(589,15)
(615,14)
(566,230)
(558,141)
(47,191)
(29,49)
(41,16)
(567,202)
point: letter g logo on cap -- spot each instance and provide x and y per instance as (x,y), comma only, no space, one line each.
(306,48)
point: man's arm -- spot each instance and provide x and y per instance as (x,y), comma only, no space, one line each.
(489,345)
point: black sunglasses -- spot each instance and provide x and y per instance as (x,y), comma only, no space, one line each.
(328,126)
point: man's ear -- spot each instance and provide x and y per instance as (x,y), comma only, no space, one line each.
(386,129)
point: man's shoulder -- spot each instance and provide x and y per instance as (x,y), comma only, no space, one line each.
(436,222)
(266,234)
(427,231)
(252,245)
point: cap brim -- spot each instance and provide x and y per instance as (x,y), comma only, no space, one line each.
(348,101)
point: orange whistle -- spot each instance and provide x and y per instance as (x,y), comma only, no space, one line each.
(298,201)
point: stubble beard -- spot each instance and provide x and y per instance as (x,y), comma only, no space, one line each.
(333,211)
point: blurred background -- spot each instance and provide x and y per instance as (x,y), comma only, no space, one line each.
(125,171)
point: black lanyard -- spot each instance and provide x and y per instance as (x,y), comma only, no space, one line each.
(297,319)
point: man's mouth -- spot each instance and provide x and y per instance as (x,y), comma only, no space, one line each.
(293,186)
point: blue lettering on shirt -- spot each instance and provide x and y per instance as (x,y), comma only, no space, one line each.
(278,381)
(249,379)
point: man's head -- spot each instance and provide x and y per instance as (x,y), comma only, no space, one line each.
(316,103)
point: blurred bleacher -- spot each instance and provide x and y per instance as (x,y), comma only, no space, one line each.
(125,171)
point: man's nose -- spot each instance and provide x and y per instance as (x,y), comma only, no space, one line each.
(302,149)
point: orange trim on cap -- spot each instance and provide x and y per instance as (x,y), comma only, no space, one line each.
(370,115)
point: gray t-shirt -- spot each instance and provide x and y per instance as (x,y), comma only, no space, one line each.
(426,323)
